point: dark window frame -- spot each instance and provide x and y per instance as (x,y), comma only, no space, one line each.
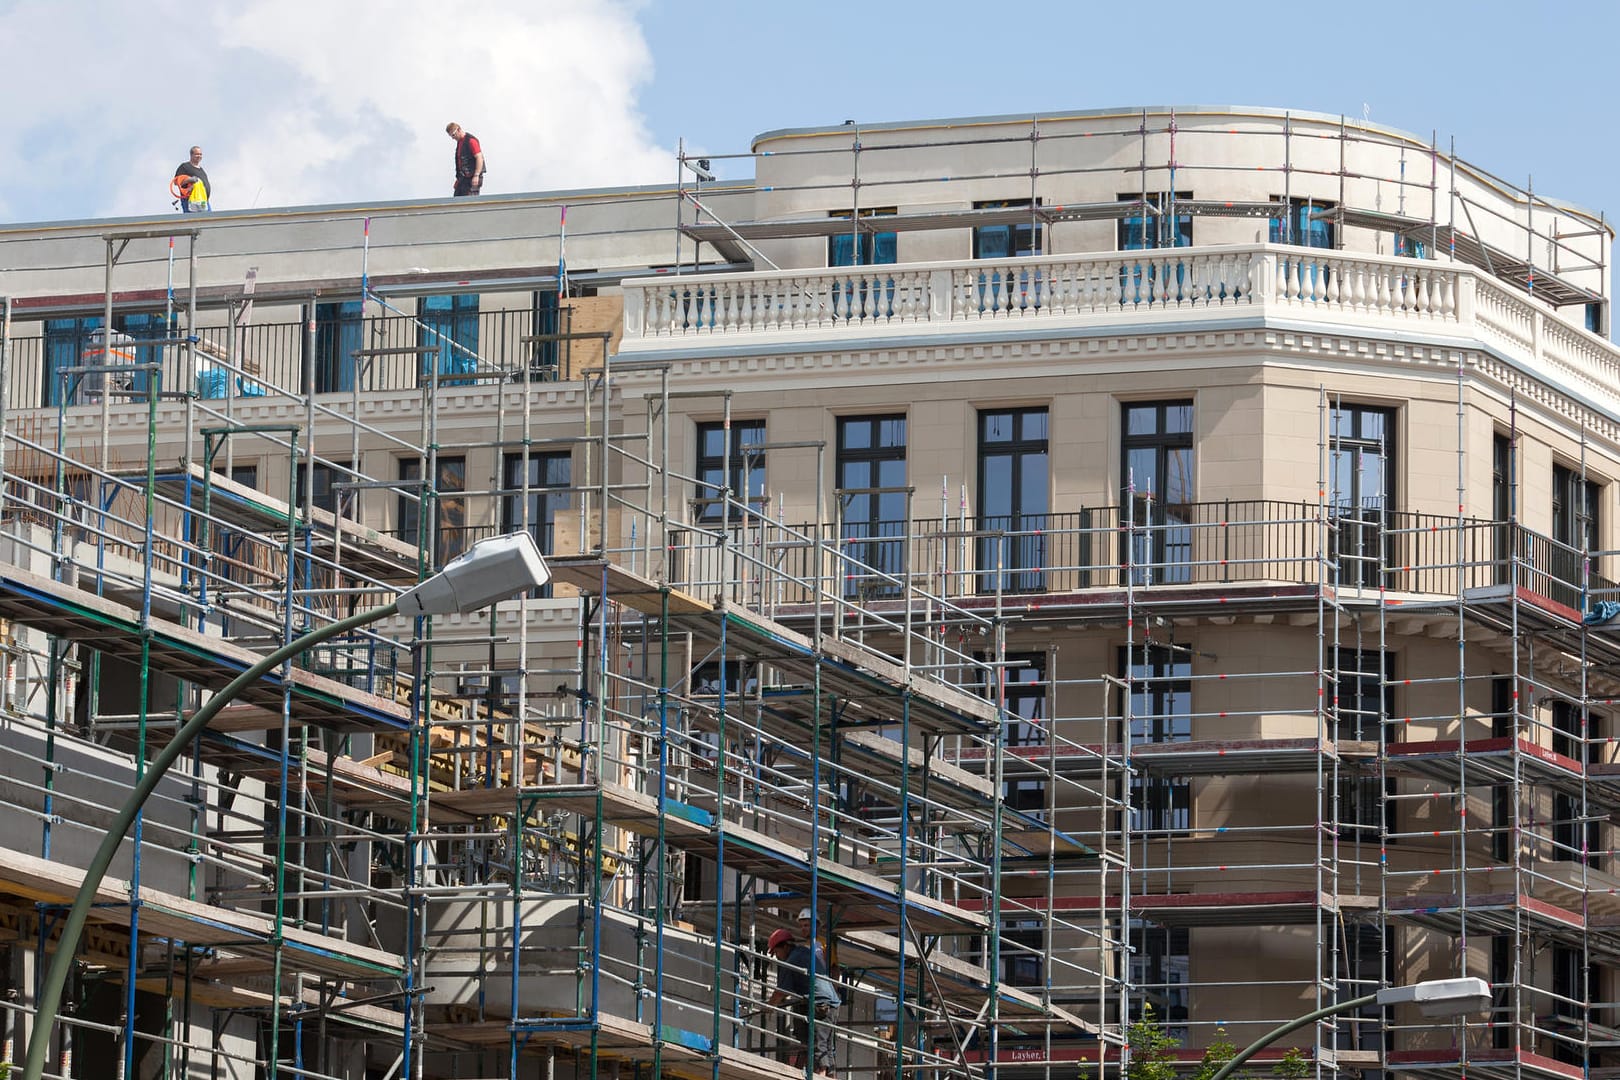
(550,491)
(873,249)
(449,514)
(1024,553)
(322,475)
(1162,550)
(1359,515)
(1014,240)
(1159,677)
(1296,226)
(1132,233)
(747,466)
(438,324)
(339,331)
(872,523)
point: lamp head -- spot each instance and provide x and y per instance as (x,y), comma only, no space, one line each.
(1441,997)
(490,570)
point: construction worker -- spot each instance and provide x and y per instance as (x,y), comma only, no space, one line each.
(191,186)
(469,160)
(804,983)
(806,920)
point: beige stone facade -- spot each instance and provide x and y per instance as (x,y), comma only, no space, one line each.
(1210,608)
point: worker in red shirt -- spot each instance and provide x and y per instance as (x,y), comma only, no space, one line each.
(469,160)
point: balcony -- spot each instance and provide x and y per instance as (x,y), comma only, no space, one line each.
(1223,548)
(1206,287)
(273,360)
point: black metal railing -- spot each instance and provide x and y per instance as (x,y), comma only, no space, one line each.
(272,357)
(1231,542)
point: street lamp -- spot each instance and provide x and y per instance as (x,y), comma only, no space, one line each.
(1434,998)
(491,570)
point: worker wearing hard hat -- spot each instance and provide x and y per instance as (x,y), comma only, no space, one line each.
(802,980)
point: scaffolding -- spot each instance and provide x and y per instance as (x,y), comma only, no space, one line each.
(564,833)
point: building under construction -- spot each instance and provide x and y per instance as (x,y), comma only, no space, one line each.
(1109,567)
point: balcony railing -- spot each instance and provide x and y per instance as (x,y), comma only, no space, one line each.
(1052,287)
(1203,284)
(271,360)
(1232,544)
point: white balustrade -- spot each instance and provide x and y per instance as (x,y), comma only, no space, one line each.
(1117,286)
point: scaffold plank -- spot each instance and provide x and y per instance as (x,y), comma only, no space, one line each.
(1506,760)
(365,550)
(1279,908)
(109,627)
(595,576)
(846,668)
(876,954)
(189,921)
(689,1055)
(1201,757)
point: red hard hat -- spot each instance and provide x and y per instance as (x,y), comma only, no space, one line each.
(779,937)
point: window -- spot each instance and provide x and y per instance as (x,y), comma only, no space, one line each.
(872,455)
(1362,694)
(1156,466)
(450,323)
(1161,969)
(1504,725)
(1361,453)
(449,536)
(339,331)
(1154,229)
(1011,240)
(547,322)
(67,341)
(1160,678)
(866,249)
(1502,506)
(1503,979)
(1299,224)
(1410,247)
(325,495)
(1025,687)
(1020,951)
(1575,509)
(1569,1011)
(1362,697)
(547,481)
(1014,499)
(1576,838)
(1592,317)
(1364,965)
(1575,529)
(746,477)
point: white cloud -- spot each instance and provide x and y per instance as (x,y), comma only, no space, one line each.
(299,101)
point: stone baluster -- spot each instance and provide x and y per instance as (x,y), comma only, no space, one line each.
(725,307)
(1062,281)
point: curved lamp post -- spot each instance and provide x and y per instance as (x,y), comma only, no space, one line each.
(491,570)
(1437,998)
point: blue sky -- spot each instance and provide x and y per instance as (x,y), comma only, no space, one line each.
(297,101)
(1525,89)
